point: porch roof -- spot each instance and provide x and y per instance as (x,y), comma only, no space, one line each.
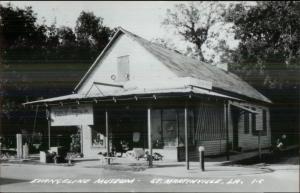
(244,108)
(130,92)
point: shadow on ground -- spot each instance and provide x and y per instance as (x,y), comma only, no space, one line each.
(4,181)
(134,166)
(287,157)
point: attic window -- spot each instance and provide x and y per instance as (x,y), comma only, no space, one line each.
(123,68)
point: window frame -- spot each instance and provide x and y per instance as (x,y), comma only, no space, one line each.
(169,121)
(264,122)
(253,122)
(97,131)
(246,123)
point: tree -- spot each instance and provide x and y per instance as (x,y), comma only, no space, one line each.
(268,57)
(26,45)
(270,43)
(91,34)
(68,45)
(193,21)
(66,36)
(21,37)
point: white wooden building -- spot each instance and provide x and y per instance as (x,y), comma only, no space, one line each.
(160,100)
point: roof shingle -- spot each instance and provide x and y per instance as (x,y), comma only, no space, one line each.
(184,66)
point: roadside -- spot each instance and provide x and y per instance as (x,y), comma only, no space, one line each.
(246,163)
(289,155)
(163,177)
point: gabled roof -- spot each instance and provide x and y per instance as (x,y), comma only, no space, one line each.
(184,66)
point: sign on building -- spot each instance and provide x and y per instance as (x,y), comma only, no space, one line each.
(72,115)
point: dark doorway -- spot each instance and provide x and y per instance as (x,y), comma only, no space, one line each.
(235,114)
(129,125)
(67,137)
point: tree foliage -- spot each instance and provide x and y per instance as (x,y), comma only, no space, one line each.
(20,35)
(193,21)
(28,48)
(269,51)
(24,40)
(268,57)
(91,33)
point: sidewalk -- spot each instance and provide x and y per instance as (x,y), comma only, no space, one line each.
(214,167)
(177,169)
(217,167)
(241,156)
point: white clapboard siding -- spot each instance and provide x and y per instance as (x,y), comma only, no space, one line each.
(142,66)
(250,141)
(246,141)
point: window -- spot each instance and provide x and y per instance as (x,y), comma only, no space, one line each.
(169,125)
(253,123)
(246,122)
(156,134)
(123,68)
(264,122)
(98,139)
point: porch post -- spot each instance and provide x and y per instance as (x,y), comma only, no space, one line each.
(149,135)
(49,127)
(107,135)
(226,128)
(81,139)
(228,122)
(186,139)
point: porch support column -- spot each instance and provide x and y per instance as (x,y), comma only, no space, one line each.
(186,139)
(81,139)
(229,126)
(226,111)
(49,127)
(107,135)
(149,136)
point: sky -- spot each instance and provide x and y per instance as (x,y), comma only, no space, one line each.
(141,17)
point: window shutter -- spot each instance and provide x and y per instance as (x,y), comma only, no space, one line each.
(253,123)
(264,117)
(246,123)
